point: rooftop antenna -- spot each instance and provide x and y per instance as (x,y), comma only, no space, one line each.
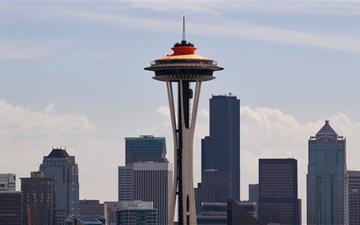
(183,33)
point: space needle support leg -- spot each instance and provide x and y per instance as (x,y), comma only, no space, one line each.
(172,203)
(188,195)
(195,106)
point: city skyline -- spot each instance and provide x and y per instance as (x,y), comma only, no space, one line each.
(88,113)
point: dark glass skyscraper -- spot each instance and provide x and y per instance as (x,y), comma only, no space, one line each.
(220,151)
(354,197)
(38,199)
(145,148)
(60,166)
(326,178)
(278,192)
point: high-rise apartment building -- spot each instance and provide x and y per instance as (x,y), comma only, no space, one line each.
(38,199)
(91,208)
(220,151)
(136,213)
(145,148)
(7,182)
(326,178)
(62,168)
(10,208)
(147,181)
(278,192)
(353,193)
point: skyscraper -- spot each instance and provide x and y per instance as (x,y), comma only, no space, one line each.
(326,178)
(7,182)
(278,192)
(61,167)
(184,69)
(353,191)
(145,148)
(147,181)
(220,151)
(38,199)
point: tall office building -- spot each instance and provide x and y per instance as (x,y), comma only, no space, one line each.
(7,182)
(353,191)
(147,181)
(326,178)
(278,192)
(145,148)
(220,151)
(61,167)
(91,208)
(136,213)
(38,199)
(10,208)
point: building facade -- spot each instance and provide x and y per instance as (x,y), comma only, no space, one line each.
(38,199)
(326,179)
(278,192)
(145,148)
(91,208)
(147,181)
(62,168)
(353,193)
(137,213)
(7,182)
(220,151)
(110,211)
(10,208)
(254,195)
(230,213)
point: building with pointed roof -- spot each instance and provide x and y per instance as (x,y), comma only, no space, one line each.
(62,168)
(326,179)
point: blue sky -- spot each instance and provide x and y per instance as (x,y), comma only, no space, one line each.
(71,74)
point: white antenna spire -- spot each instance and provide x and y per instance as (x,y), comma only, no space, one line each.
(183,33)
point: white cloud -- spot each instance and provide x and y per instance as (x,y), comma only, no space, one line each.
(27,135)
(224,28)
(336,7)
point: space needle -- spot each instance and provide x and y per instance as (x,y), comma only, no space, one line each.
(183,71)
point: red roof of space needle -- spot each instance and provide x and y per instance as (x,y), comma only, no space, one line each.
(184,50)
